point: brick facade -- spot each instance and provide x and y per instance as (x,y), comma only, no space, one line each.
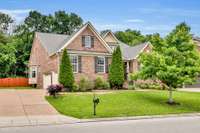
(40,58)
(77,43)
(47,64)
(88,69)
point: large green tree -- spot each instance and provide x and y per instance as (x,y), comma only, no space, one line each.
(174,59)
(131,37)
(60,22)
(66,77)
(116,70)
(65,23)
(5,21)
(4,39)
(7,59)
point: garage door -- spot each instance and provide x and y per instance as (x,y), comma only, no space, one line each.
(47,80)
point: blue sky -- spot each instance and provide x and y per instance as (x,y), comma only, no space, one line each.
(148,16)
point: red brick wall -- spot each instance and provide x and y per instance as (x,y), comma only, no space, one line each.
(40,57)
(88,69)
(77,43)
(46,64)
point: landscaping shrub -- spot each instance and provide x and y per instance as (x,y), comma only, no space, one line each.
(116,71)
(85,85)
(66,76)
(150,85)
(131,87)
(100,83)
(75,87)
(54,89)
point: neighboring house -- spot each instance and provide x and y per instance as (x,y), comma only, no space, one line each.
(90,54)
(197,84)
(197,41)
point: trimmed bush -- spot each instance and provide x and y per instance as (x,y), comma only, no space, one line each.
(66,77)
(54,89)
(75,87)
(85,85)
(100,83)
(116,71)
(131,87)
(150,85)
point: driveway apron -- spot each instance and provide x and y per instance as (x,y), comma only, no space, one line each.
(24,103)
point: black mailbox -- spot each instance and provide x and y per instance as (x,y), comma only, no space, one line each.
(95,102)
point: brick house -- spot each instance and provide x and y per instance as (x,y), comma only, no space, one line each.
(90,54)
(197,83)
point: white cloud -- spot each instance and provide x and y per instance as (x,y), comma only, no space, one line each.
(17,14)
(113,27)
(134,21)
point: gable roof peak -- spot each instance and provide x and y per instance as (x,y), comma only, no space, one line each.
(75,34)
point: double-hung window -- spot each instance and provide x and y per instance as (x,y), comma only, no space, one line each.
(74,62)
(100,64)
(33,72)
(88,41)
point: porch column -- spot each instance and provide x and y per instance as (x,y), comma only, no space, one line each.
(127,69)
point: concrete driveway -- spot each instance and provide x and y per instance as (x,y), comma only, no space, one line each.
(24,103)
(28,107)
(190,89)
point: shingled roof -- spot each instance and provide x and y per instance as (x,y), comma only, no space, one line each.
(128,52)
(54,42)
(131,52)
(196,38)
(51,42)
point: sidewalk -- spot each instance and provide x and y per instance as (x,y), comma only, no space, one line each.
(36,120)
(60,119)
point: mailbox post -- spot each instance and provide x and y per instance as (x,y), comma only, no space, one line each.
(95,103)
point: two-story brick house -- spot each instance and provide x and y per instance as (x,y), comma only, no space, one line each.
(90,54)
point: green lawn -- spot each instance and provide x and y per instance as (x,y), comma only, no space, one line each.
(126,103)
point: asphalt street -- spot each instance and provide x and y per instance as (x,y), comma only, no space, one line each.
(158,125)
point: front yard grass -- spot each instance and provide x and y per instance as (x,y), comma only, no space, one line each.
(125,103)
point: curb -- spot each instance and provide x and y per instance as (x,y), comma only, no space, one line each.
(103,120)
(138,117)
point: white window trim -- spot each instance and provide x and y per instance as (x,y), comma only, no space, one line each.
(76,63)
(90,41)
(31,72)
(104,64)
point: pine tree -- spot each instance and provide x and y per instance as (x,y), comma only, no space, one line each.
(66,77)
(116,71)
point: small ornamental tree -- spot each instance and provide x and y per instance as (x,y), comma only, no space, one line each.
(116,71)
(66,77)
(174,59)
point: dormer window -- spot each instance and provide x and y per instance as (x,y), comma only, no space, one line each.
(88,41)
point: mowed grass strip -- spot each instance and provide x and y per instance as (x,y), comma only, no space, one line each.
(125,103)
